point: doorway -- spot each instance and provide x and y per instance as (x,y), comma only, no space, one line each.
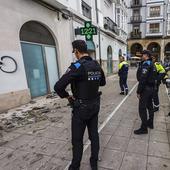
(40,58)
(109,60)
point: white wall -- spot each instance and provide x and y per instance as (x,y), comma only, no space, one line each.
(108,41)
(107,9)
(13,16)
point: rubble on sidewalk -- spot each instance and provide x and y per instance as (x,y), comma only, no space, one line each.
(37,110)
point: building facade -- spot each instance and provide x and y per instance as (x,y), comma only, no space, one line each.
(148,27)
(36,35)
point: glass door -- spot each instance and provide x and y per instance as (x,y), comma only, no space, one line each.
(50,53)
(109,60)
(109,64)
(34,67)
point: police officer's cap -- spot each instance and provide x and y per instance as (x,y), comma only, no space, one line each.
(147,52)
(80,45)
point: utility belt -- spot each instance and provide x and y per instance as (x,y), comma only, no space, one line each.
(77,102)
(151,85)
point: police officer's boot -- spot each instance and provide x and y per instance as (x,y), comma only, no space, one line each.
(71,168)
(122,93)
(94,167)
(150,124)
(93,164)
(141,131)
(126,91)
(156,108)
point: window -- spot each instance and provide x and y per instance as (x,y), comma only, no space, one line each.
(86,10)
(154,28)
(136,2)
(168,26)
(136,29)
(108,3)
(118,2)
(155,11)
(168,9)
(118,20)
(136,12)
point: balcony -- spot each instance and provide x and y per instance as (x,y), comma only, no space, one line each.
(110,25)
(134,4)
(154,1)
(155,15)
(136,19)
(135,35)
(154,33)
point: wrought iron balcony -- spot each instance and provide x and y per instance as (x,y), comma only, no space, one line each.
(110,25)
(154,33)
(136,19)
(136,4)
(135,35)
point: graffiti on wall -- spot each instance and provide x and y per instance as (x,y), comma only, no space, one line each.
(8,64)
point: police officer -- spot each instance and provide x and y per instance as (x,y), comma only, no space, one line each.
(85,77)
(146,76)
(123,74)
(160,75)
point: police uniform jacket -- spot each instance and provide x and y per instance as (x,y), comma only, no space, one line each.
(146,75)
(160,72)
(123,69)
(85,77)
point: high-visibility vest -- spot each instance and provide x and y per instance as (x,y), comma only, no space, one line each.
(123,63)
(159,68)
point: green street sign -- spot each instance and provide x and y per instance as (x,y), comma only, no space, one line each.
(88,31)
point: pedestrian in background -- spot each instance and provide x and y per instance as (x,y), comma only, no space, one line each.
(123,75)
(160,76)
(85,77)
(146,76)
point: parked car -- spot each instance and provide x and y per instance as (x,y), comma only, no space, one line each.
(134,61)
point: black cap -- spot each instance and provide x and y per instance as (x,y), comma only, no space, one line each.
(147,52)
(80,45)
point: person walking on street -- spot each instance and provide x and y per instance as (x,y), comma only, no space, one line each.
(123,74)
(85,77)
(160,75)
(146,76)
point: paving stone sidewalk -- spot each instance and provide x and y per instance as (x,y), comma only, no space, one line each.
(45,145)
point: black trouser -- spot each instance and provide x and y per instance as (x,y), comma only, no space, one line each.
(123,83)
(145,104)
(156,96)
(85,115)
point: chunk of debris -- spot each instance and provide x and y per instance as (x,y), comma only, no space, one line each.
(32,102)
(55,119)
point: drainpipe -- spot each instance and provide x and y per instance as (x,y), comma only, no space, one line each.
(97,19)
(100,60)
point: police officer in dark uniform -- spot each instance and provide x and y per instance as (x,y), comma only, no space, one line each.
(146,76)
(160,75)
(85,77)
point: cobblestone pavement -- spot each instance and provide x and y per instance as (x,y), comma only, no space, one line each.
(45,145)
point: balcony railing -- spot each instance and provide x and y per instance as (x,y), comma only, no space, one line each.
(153,1)
(156,14)
(154,33)
(110,25)
(136,4)
(135,35)
(136,19)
